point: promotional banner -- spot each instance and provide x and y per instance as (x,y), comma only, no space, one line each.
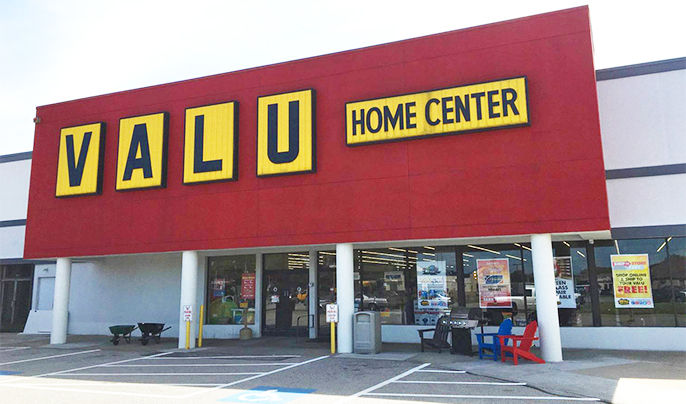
(494,283)
(248,286)
(431,285)
(631,280)
(564,282)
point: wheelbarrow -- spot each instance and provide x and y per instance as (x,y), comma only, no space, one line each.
(151,331)
(121,331)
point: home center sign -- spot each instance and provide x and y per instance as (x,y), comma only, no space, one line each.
(285,134)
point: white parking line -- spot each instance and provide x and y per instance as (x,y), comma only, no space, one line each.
(198,365)
(88,383)
(443,371)
(161,374)
(102,364)
(13,348)
(555,398)
(255,377)
(386,382)
(48,357)
(477,383)
(228,357)
(420,369)
(116,393)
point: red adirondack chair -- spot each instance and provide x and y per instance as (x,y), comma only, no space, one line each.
(521,345)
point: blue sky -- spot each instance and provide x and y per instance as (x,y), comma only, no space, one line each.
(54,51)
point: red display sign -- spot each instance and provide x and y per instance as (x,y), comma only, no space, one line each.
(545,177)
(248,286)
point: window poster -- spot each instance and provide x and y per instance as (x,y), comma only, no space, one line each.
(631,280)
(494,283)
(432,293)
(248,286)
(564,282)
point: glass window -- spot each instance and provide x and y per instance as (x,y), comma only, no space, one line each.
(436,283)
(506,290)
(573,285)
(231,289)
(676,247)
(387,285)
(663,313)
(326,287)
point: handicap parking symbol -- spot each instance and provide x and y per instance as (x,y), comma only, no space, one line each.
(266,395)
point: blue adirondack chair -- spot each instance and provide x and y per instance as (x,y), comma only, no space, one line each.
(489,341)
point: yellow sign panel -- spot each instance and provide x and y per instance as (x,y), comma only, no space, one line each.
(495,104)
(79,167)
(141,160)
(210,143)
(631,281)
(285,133)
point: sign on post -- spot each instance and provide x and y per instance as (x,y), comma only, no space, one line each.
(187,313)
(331,313)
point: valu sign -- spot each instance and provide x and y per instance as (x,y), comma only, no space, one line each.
(285,134)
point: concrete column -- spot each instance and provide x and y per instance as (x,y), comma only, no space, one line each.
(189,297)
(312,297)
(546,297)
(60,305)
(259,297)
(345,296)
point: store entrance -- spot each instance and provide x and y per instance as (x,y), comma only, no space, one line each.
(285,294)
(15,296)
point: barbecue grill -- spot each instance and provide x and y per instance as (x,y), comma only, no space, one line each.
(462,321)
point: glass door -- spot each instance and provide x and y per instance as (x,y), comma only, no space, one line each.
(285,294)
(326,290)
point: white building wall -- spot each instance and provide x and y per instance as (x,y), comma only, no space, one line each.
(12,241)
(647,201)
(642,120)
(14,197)
(643,123)
(14,183)
(125,290)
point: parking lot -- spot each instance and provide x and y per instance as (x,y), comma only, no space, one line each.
(269,370)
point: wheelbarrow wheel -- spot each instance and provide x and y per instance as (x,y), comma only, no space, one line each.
(144,341)
(115,341)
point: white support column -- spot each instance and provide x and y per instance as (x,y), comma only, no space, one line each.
(312,297)
(189,282)
(546,297)
(345,296)
(259,297)
(60,305)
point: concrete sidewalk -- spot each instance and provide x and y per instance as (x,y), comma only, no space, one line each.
(612,376)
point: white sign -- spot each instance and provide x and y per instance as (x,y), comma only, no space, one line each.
(187,313)
(564,283)
(331,313)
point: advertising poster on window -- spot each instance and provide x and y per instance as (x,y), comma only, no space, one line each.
(494,283)
(248,286)
(631,280)
(564,282)
(431,285)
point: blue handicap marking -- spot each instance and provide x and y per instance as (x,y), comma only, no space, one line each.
(8,373)
(266,394)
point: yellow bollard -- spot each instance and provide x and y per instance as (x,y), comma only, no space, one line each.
(202,312)
(188,335)
(333,338)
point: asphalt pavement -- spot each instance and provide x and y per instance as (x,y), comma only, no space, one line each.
(277,370)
